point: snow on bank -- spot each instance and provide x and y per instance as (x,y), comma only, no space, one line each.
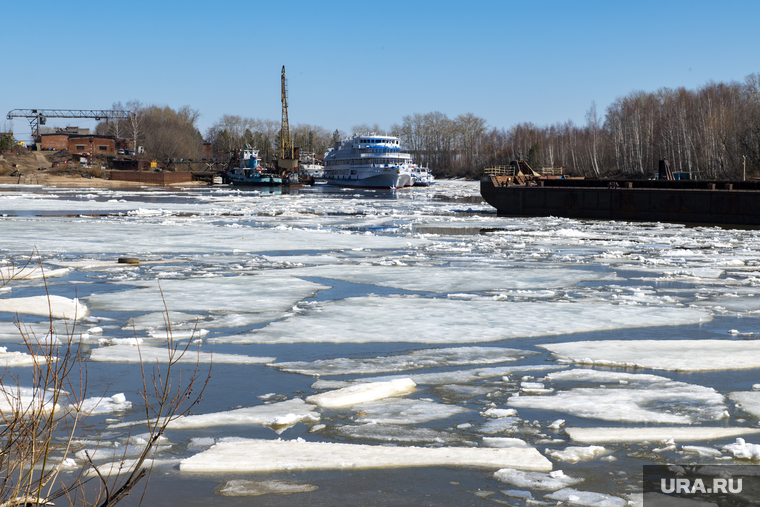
(134,354)
(373,319)
(671,355)
(58,307)
(362,393)
(427,358)
(655,434)
(243,455)
(630,397)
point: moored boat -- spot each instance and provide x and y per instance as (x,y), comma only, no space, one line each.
(368,161)
(246,170)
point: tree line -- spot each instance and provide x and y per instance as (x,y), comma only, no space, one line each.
(711,132)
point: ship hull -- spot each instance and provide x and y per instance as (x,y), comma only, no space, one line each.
(379,181)
(691,202)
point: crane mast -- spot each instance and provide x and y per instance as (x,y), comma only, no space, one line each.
(287,160)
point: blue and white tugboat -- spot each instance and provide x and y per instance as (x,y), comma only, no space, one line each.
(246,170)
(422,177)
(368,161)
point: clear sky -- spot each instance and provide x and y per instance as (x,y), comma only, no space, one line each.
(354,62)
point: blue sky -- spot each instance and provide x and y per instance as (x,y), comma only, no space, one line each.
(354,62)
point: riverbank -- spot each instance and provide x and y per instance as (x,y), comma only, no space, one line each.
(78,181)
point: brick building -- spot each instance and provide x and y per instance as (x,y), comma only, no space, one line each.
(85,144)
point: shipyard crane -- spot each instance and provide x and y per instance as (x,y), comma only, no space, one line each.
(38,117)
(287,161)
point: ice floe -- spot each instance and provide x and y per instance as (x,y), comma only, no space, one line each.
(749,401)
(362,393)
(404,411)
(243,487)
(133,354)
(241,455)
(372,319)
(587,498)
(655,434)
(9,359)
(456,356)
(642,398)
(551,481)
(57,307)
(447,279)
(30,273)
(672,355)
(573,454)
(284,413)
(258,293)
(104,405)
(742,450)
(398,433)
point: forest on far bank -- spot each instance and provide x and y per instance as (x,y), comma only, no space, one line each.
(711,131)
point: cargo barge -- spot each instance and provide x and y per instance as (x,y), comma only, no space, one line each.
(516,190)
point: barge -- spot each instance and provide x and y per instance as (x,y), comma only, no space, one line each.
(517,190)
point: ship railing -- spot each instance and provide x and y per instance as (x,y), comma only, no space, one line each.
(500,170)
(551,171)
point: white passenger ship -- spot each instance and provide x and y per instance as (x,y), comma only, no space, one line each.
(369,161)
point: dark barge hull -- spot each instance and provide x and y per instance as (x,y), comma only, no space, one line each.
(687,201)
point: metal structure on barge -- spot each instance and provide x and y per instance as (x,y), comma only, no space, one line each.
(517,190)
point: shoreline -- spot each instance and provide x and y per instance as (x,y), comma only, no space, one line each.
(76,181)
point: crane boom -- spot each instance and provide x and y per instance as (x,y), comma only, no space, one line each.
(38,117)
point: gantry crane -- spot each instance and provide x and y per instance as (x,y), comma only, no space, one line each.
(38,117)
(287,162)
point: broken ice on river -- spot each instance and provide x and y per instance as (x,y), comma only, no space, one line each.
(350,330)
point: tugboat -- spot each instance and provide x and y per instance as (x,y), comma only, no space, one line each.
(245,170)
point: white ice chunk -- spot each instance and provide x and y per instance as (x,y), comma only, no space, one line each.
(9,359)
(106,405)
(742,450)
(456,356)
(132,354)
(587,498)
(404,411)
(749,401)
(574,454)
(398,433)
(242,487)
(702,451)
(284,413)
(362,393)
(672,355)
(19,400)
(58,307)
(261,293)
(646,398)
(240,455)
(655,434)
(373,319)
(504,442)
(31,273)
(120,341)
(499,412)
(536,480)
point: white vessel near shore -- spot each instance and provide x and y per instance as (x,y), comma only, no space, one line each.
(369,161)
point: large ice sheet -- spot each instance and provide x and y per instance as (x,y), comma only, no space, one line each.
(30,273)
(240,455)
(133,354)
(144,236)
(447,279)
(455,356)
(362,393)
(673,355)
(266,292)
(57,307)
(398,433)
(635,398)
(374,319)
(284,413)
(9,359)
(655,434)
